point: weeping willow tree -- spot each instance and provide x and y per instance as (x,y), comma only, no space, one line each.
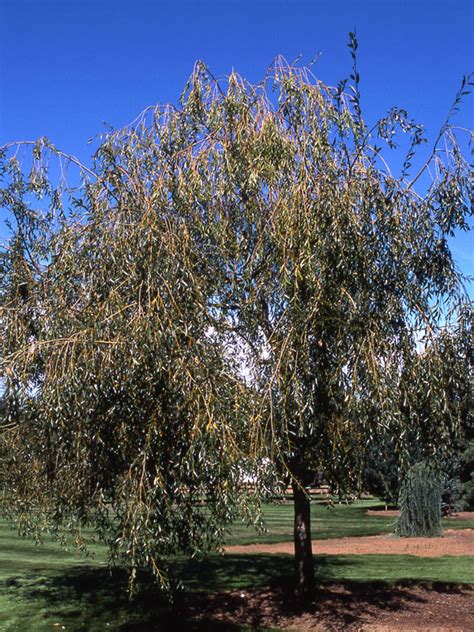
(235,280)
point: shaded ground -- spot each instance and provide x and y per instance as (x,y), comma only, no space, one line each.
(348,607)
(459,542)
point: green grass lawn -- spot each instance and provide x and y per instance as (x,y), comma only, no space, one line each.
(44,588)
(326,522)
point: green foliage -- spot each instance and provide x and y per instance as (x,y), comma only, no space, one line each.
(435,391)
(467,476)
(420,502)
(382,470)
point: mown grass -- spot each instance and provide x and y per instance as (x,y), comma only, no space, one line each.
(44,588)
(336,521)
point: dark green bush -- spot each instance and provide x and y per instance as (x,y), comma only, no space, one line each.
(420,502)
(467,477)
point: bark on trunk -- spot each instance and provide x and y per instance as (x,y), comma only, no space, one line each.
(304,561)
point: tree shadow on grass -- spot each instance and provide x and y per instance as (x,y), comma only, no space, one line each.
(92,599)
(234,572)
(258,593)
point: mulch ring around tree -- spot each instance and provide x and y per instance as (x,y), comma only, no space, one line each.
(342,607)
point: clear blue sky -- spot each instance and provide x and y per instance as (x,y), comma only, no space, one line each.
(67,66)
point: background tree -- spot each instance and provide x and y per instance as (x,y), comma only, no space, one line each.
(382,470)
(447,403)
(258,222)
(435,391)
(466,476)
(458,463)
(456,460)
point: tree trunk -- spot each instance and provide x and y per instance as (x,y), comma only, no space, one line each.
(304,561)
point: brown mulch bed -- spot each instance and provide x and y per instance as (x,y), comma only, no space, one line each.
(351,607)
(453,542)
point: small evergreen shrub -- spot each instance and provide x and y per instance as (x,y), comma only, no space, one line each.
(420,502)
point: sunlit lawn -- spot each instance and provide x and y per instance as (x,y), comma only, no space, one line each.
(327,522)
